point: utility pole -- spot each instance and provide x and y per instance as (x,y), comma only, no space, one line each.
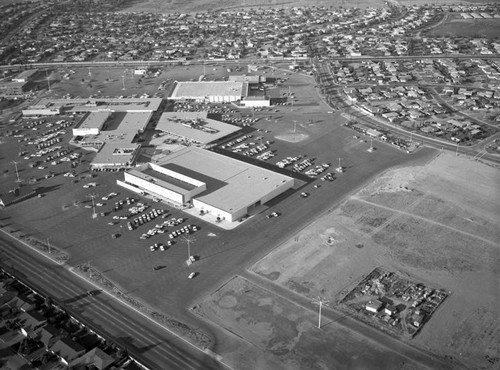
(93,196)
(17,171)
(123,82)
(320,302)
(48,244)
(48,78)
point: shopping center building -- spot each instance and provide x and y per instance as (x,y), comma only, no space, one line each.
(212,183)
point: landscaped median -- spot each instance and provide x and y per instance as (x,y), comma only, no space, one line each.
(42,247)
(194,336)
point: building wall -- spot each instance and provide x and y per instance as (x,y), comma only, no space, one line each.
(41,112)
(216,212)
(223,98)
(200,186)
(85,131)
(176,175)
(256,103)
(239,213)
(154,189)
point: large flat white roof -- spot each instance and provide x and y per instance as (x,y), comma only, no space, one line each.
(194,126)
(118,148)
(203,89)
(238,184)
(116,154)
(94,120)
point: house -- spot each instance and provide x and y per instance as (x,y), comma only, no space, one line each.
(374,306)
(31,321)
(67,349)
(391,117)
(390,310)
(22,303)
(373,133)
(95,358)
(418,320)
(48,335)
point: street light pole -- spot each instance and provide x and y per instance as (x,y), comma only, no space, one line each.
(17,171)
(92,196)
(189,240)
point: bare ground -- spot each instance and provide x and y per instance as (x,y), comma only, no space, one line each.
(281,335)
(437,223)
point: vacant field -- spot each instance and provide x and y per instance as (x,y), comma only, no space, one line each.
(437,223)
(281,335)
(458,27)
(200,6)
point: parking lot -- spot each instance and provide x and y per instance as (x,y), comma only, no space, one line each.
(306,131)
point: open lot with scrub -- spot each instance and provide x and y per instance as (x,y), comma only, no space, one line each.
(281,335)
(458,27)
(429,222)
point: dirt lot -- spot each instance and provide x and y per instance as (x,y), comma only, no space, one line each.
(281,335)
(429,222)
(458,27)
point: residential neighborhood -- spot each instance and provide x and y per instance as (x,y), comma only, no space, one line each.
(51,33)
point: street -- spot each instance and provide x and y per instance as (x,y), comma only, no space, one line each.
(144,340)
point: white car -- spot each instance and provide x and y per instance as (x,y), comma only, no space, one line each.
(192,275)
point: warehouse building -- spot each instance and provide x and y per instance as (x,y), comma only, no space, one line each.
(210,91)
(212,183)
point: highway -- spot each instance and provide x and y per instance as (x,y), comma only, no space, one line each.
(147,342)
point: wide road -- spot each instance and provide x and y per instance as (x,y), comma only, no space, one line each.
(150,344)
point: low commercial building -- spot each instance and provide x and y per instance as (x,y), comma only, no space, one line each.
(115,146)
(91,124)
(13,89)
(194,127)
(128,105)
(25,76)
(227,188)
(41,110)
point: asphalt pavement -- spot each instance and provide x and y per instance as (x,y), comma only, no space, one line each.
(146,341)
